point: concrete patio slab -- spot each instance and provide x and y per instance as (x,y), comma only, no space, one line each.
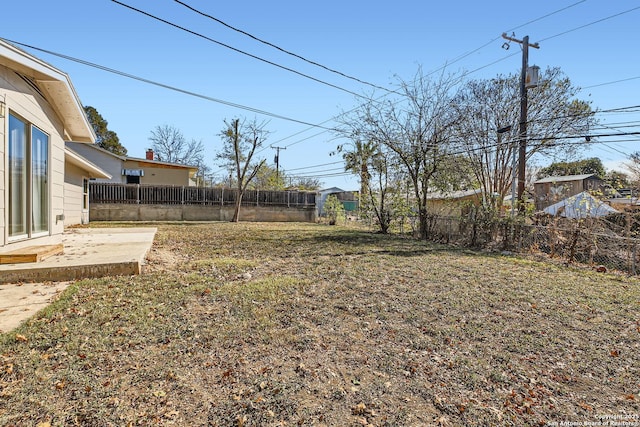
(88,252)
(18,302)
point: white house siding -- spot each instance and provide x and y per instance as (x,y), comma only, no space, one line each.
(22,100)
(107,161)
(3,160)
(73,196)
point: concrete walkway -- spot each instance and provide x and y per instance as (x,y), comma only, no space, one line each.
(88,253)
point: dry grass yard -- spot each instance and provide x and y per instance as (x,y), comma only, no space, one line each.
(312,325)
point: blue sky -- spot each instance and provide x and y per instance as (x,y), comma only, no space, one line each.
(372,41)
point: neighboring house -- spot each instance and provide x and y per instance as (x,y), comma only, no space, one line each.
(454,203)
(349,199)
(555,188)
(42,184)
(133,170)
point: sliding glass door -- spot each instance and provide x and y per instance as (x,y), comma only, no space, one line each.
(28,179)
(39,181)
(17,177)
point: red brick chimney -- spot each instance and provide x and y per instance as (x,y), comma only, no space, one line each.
(149,154)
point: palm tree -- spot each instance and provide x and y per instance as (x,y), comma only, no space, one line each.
(357,161)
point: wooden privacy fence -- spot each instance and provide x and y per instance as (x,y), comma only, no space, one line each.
(175,195)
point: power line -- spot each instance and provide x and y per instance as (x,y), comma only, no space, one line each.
(355,108)
(315,166)
(590,23)
(461,57)
(454,61)
(467,150)
(326,170)
(444,66)
(328,175)
(610,83)
(591,136)
(165,86)
(629,109)
(236,49)
(279,48)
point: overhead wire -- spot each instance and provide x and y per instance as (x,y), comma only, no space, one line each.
(441,68)
(315,166)
(612,82)
(236,49)
(455,60)
(295,55)
(460,58)
(283,117)
(166,86)
(589,24)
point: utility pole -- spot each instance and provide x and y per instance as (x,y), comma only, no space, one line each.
(277,161)
(522,152)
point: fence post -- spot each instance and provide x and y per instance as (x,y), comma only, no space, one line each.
(257,197)
(288,199)
(222,197)
(137,193)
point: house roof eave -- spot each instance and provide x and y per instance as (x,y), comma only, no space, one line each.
(77,160)
(57,88)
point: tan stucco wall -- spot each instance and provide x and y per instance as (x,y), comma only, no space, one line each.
(160,175)
(23,101)
(126,212)
(446,207)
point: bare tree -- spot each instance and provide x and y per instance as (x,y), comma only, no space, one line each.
(240,141)
(485,106)
(633,166)
(305,183)
(415,128)
(170,145)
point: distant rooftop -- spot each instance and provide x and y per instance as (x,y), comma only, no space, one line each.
(564,178)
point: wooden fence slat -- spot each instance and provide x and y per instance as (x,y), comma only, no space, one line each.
(106,192)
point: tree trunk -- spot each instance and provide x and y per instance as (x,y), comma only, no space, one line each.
(423,217)
(236,210)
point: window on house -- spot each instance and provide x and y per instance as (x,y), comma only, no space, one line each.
(85,194)
(28,177)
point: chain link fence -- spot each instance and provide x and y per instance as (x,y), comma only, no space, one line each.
(609,243)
